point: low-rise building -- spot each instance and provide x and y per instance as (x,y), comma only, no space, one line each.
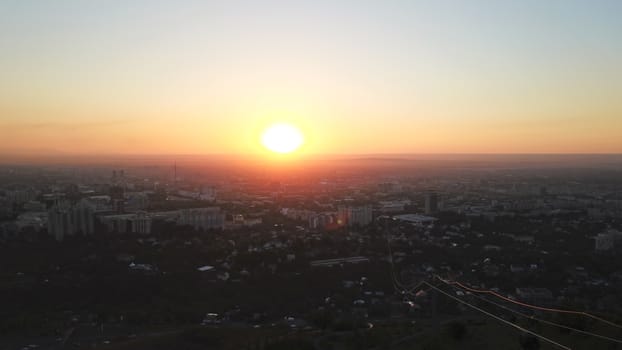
(416,219)
(203,218)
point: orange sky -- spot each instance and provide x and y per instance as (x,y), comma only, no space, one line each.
(405,77)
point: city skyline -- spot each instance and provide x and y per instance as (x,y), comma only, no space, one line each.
(310,174)
(356,77)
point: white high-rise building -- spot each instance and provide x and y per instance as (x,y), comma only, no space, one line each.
(141,223)
(354,215)
(66,219)
(321,221)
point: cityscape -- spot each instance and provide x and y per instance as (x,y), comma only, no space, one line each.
(314,175)
(359,253)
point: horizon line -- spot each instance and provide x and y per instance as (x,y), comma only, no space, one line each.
(55,154)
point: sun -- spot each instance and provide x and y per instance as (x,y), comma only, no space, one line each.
(282,138)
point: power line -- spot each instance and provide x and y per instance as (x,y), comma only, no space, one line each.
(536,307)
(548,340)
(400,287)
(548,322)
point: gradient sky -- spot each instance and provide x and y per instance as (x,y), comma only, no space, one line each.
(541,76)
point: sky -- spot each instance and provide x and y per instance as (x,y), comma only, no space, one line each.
(357,77)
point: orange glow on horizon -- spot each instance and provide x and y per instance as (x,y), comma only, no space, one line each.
(205,78)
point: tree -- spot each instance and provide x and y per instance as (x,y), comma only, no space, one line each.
(529,342)
(457,330)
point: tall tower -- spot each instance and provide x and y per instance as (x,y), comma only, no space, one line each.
(431,203)
(175,175)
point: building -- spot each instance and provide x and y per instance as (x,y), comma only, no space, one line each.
(393,206)
(208,193)
(354,215)
(141,223)
(136,201)
(239,221)
(117,223)
(389,187)
(297,214)
(321,221)
(608,241)
(21,196)
(417,219)
(35,206)
(431,203)
(6,208)
(65,219)
(100,203)
(34,220)
(118,177)
(202,218)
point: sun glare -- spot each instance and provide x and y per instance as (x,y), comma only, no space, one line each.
(282,138)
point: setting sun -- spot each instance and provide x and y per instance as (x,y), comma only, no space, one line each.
(282,138)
